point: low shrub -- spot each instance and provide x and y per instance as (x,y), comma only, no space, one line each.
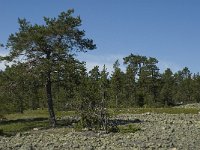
(130,128)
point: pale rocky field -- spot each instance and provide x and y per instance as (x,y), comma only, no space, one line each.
(158,131)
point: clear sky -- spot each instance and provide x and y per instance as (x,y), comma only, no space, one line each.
(166,29)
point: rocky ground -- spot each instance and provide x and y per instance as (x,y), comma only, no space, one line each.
(193,105)
(158,131)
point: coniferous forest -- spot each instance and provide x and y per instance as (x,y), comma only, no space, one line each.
(45,73)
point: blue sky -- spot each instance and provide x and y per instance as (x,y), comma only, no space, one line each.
(166,29)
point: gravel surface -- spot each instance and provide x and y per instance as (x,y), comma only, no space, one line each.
(158,131)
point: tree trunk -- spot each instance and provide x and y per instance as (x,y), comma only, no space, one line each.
(52,118)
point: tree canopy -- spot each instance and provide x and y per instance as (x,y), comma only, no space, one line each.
(46,48)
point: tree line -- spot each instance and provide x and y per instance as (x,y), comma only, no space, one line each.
(45,73)
(141,85)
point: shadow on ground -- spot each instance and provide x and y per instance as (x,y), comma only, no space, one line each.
(3,122)
(117,122)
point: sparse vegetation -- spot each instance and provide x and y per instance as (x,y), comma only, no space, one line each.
(30,119)
(18,122)
(154,110)
(12,128)
(130,128)
(39,113)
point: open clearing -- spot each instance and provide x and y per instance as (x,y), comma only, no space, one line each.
(158,130)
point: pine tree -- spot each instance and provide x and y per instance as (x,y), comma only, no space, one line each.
(166,94)
(196,87)
(47,47)
(117,84)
